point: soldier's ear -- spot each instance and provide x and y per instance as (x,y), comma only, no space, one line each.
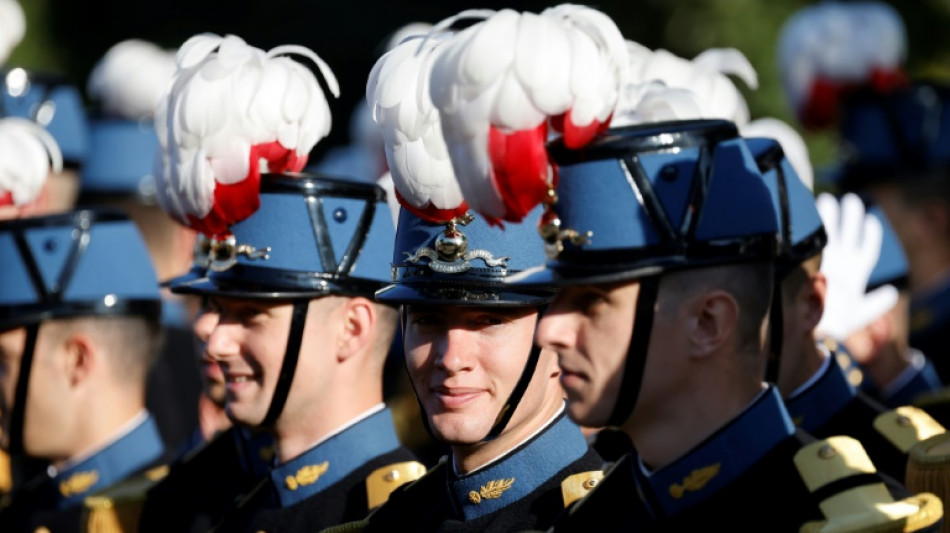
(816,288)
(82,355)
(713,322)
(358,324)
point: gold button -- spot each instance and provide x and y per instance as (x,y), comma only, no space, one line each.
(391,476)
(903,421)
(827,452)
(590,483)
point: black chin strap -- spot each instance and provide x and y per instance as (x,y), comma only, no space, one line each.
(504,416)
(776,327)
(22,466)
(289,366)
(637,352)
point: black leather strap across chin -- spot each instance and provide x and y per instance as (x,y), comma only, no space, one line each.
(289,366)
(23,467)
(504,416)
(776,329)
(637,351)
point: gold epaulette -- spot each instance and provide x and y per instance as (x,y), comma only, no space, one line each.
(383,481)
(117,509)
(575,487)
(6,480)
(906,426)
(865,508)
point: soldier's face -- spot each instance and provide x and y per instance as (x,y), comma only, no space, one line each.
(249,340)
(212,376)
(589,327)
(464,364)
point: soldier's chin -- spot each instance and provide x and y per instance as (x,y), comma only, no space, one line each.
(587,414)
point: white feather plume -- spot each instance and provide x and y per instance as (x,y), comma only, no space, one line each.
(398,95)
(12,27)
(512,72)
(130,79)
(228,100)
(27,155)
(840,42)
(663,86)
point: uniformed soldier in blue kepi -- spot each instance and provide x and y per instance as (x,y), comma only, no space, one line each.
(292,266)
(817,393)
(79,328)
(662,237)
(485,389)
(686,280)
(126,84)
(891,133)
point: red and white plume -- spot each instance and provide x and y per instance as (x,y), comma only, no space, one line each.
(27,155)
(131,78)
(828,50)
(500,84)
(398,95)
(232,112)
(663,86)
(12,27)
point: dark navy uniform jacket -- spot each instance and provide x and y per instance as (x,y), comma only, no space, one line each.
(830,406)
(520,490)
(741,478)
(55,500)
(930,326)
(324,486)
(206,484)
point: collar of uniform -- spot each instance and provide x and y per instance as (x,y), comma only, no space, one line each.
(721,458)
(333,459)
(255,449)
(125,456)
(519,472)
(812,406)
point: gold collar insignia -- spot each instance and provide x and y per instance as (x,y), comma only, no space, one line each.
(78,483)
(492,491)
(307,475)
(695,481)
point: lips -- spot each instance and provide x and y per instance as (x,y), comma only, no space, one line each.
(457,397)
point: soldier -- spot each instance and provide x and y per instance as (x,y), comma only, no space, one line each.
(891,136)
(119,171)
(678,258)
(817,393)
(79,312)
(293,261)
(484,388)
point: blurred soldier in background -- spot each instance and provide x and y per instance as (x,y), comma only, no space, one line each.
(79,315)
(127,83)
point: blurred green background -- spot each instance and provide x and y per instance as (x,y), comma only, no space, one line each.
(69,36)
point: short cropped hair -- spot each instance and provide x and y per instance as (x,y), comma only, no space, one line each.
(132,343)
(749,283)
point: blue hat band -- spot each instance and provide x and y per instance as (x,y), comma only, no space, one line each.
(603,266)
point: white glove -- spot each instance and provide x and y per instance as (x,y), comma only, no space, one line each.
(854,245)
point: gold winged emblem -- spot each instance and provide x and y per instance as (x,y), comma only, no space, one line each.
(307,475)
(491,491)
(695,481)
(78,483)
